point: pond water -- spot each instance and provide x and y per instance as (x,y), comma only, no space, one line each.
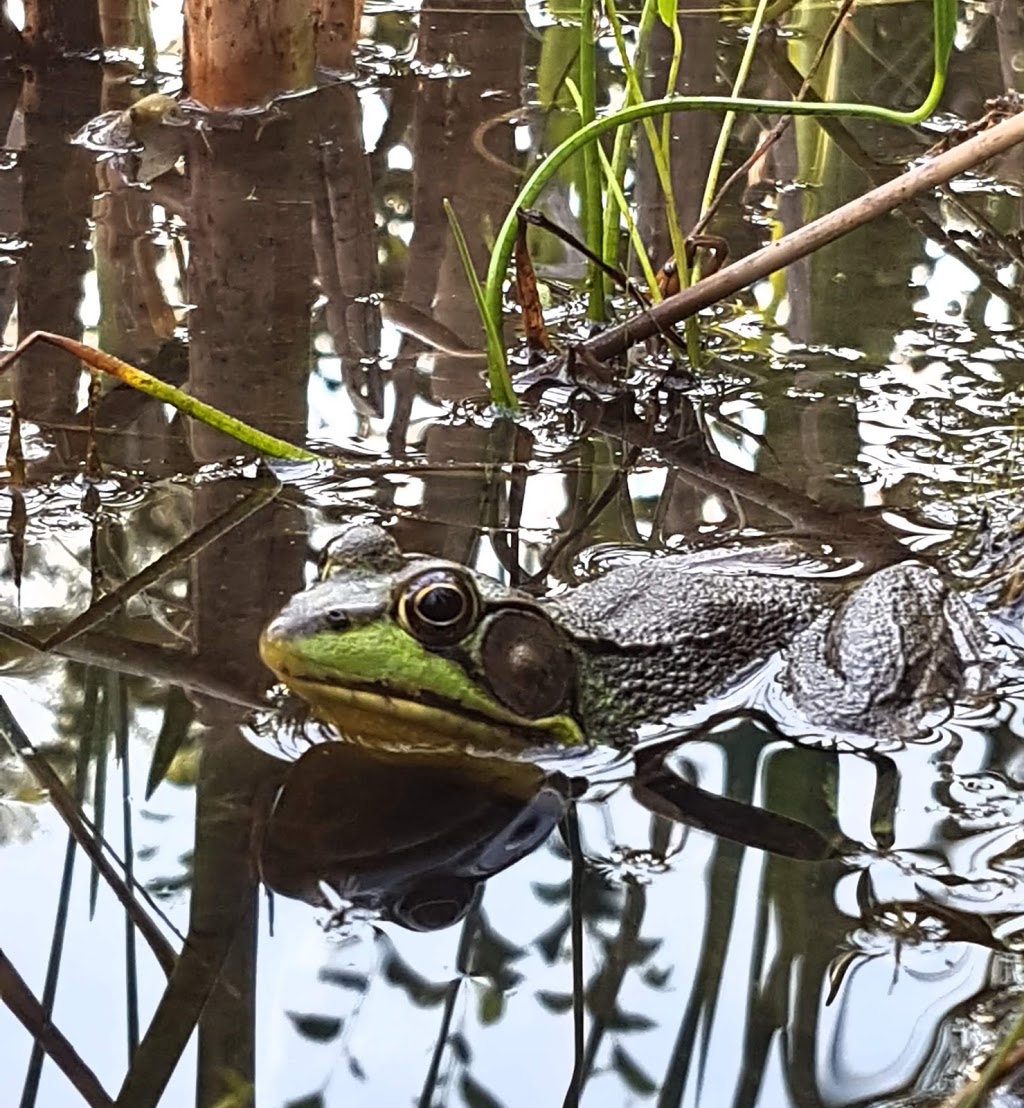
(285,921)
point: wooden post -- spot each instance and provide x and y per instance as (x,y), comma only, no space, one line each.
(243,52)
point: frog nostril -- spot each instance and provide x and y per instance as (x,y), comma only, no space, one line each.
(337,619)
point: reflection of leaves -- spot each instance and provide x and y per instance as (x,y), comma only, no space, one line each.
(174,731)
(617,1020)
(356,1069)
(320,1029)
(423,993)
(636,1079)
(554,1002)
(656,978)
(492,955)
(492,1006)
(475,1095)
(344,979)
(630,950)
(549,942)
(459,1047)
(316,1100)
(551,894)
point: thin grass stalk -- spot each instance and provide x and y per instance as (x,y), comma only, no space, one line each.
(592,215)
(571,831)
(659,151)
(18,997)
(184,552)
(669,12)
(498,378)
(621,205)
(84,832)
(729,119)
(621,148)
(100,750)
(467,935)
(152,386)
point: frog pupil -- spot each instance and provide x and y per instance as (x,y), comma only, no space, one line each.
(440,605)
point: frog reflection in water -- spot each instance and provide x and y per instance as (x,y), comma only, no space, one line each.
(408,649)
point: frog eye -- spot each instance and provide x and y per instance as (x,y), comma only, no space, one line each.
(439,607)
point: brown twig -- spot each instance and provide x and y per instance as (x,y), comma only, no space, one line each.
(806,240)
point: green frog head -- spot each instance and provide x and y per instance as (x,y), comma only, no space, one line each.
(408,651)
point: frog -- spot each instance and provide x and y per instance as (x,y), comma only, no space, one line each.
(407,650)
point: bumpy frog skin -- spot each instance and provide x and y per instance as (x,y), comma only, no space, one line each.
(411,650)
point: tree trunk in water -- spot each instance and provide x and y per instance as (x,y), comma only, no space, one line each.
(59,25)
(242,53)
(337,28)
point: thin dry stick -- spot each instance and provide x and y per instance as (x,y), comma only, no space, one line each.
(936,171)
(30,1014)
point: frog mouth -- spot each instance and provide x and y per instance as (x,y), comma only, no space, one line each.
(378,715)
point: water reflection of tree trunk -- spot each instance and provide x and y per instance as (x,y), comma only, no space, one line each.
(250,277)
(693,134)
(841,296)
(251,280)
(57,201)
(61,26)
(487,39)
(345,243)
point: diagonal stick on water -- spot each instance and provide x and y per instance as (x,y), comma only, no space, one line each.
(929,174)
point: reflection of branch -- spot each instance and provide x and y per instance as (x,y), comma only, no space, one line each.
(864,531)
(174,559)
(467,936)
(571,833)
(661,790)
(596,507)
(142,659)
(30,1014)
(85,834)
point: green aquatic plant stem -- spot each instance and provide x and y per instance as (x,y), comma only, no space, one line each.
(498,379)
(620,151)
(618,196)
(668,10)
(659,147)
(102,362)
(592,212)
(729,119)
(501,255)
(621,148)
